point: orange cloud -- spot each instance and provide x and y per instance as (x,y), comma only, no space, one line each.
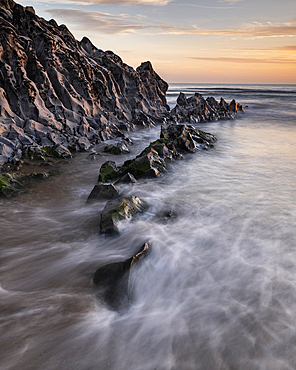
(120,24)
(278,48)
(288,29)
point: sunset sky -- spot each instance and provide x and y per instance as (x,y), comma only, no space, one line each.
(219,41)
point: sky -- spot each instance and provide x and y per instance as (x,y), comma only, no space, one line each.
(198,41)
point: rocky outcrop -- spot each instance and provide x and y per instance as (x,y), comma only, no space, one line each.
(57,91)
(111,281)
(151,162)
(196,109)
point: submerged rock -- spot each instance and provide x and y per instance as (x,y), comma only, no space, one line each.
(119,210)
(14,184)
(111,281)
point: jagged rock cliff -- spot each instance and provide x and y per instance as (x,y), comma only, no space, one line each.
(58,92)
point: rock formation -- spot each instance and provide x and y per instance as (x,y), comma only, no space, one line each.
(151,162)
(196,109)
(57,91)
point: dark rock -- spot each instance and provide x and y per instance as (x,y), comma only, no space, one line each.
(240,108)
(182,99)
(83,143)
(233,106)
(103,191)
(196,109)
(119,210)
(62,152)
(118,148)
(111,281)
(142,119)
(128,178)
(186,138)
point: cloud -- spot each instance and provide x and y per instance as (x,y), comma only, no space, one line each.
(117,2)
(206,6)
(121,24)
(248,60)
(106,23)
(99,22)
(257,31)
(289,48)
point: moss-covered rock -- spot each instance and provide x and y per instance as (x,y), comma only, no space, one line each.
(147,165)
(119,210)
(160,146)
(14,184)
(118,148)
(110,172)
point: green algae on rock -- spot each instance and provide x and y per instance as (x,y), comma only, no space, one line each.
(14,184)
(119,210)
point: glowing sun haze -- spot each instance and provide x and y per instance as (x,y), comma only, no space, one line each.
(222,41)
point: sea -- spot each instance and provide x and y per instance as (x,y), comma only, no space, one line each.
(217,291)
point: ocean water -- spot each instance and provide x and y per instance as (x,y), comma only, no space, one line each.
(217,291)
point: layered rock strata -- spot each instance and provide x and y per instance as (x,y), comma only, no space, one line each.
(57,91)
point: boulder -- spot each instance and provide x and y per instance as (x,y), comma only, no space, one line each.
(128,178)
(84,143)
(119,210)
(186,138)
(103,191)
(118,148)
(109,172)
(182,99)
(62,152)
(149,164)
(111,281)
